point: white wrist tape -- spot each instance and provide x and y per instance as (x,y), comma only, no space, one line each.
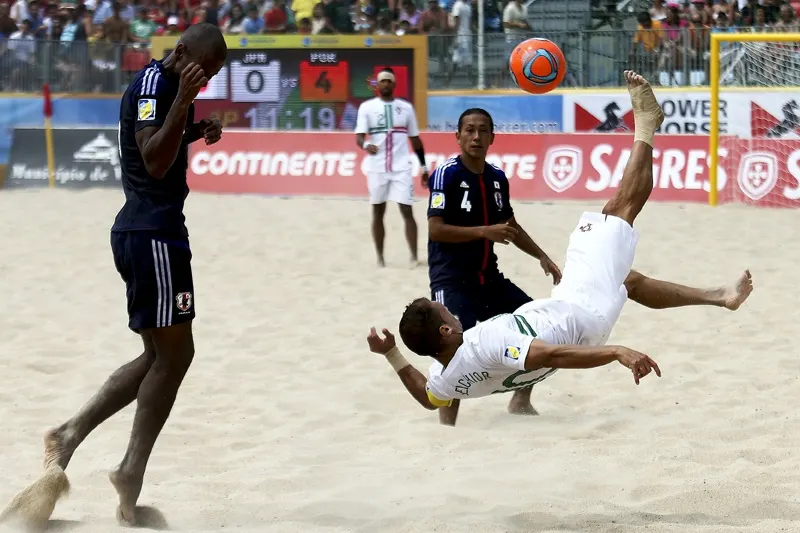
(396,359)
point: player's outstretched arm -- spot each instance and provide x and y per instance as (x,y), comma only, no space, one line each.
(657,294)
(545,355)
(413,380)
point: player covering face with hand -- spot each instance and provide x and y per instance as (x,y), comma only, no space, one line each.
(569,329)
(151,251)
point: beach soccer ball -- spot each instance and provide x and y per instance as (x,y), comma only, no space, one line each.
(537,66)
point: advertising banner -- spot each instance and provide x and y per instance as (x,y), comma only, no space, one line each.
(744,114)
(511,114)
(539,167)
(16,112)
(84,157)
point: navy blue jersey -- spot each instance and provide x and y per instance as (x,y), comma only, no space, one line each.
(465,199)
(151,204)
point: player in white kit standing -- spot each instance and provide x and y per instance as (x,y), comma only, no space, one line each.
(384,127)
(569,329)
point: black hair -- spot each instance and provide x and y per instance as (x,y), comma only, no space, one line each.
(476,111)
(387,69)
(205,40)
(643,17)
(419,327)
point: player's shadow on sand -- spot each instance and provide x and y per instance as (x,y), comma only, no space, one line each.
(146,518)
(150,518)
(59,526)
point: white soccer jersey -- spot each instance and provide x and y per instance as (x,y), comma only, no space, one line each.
(492,357)
(388,125)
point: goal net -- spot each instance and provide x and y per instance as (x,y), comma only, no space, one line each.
(755,123)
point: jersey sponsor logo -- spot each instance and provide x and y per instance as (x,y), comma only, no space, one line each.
(512,352)
(437,200)
(758,174)
(147,109)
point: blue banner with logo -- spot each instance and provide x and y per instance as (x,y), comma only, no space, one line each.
(511,113)
(19,111)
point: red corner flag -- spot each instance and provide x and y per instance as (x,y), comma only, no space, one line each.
(48,102)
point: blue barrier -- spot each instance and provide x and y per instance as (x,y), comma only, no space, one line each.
(511,113)
(22,111)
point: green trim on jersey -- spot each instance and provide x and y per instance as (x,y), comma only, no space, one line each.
(524,326)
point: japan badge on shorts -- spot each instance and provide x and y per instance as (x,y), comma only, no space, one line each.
(758,174)
(183,301)
(563,166)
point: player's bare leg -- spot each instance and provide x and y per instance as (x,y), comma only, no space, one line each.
(520,403)
(174,348)
(449,415)
(378,231)
(657,294)
(411,231)
(637,179)
(119,390)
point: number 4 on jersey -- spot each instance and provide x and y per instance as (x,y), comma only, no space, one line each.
(465,203)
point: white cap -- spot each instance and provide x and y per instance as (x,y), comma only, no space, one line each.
(386,76)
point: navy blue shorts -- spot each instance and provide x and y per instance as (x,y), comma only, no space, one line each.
(158,278)
(472,303)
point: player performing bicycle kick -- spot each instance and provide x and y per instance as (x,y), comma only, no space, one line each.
(569,329)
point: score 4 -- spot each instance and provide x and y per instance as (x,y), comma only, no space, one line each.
(320,82)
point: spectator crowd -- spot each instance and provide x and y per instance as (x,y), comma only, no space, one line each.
(77,30)
(102,37)
(674,38)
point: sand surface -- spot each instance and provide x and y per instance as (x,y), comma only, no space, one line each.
(286,423)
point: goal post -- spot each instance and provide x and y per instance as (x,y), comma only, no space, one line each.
(760,70)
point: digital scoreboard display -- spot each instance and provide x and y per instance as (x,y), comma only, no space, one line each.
(307,83)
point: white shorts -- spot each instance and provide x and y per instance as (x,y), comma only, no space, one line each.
(462,51)
(599,259)
(394,186)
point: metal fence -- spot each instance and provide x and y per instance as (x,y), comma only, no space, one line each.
(594,58)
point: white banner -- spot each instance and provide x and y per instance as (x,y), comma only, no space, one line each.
(746,114)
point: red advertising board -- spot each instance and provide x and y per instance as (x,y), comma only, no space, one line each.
(539,167)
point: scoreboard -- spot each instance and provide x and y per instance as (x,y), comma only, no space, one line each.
(307,82)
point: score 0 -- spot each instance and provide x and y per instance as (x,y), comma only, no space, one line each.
(324,78)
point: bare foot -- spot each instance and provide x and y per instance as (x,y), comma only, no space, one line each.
(519,408)
(59,445)
(128,490)
(647,112)
(735,295)
(520,403)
